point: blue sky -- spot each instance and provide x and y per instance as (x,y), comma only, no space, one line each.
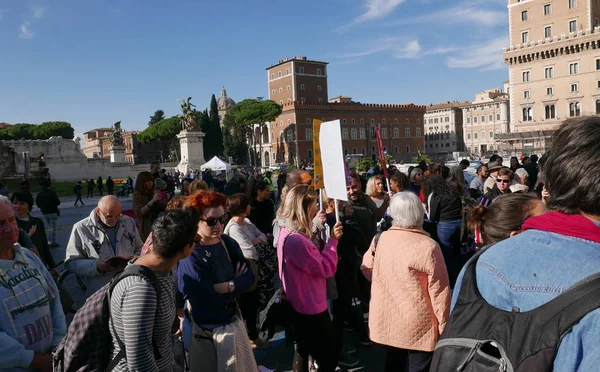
(94,62)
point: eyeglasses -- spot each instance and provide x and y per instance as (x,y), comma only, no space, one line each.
(503,181)
(107,216)
(212,221)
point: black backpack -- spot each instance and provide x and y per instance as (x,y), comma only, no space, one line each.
(481,338)
(87,345)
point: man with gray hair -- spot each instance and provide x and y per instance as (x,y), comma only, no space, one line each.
(32,322)
(100,245)
(520,181)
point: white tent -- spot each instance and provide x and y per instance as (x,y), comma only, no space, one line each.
(216,164)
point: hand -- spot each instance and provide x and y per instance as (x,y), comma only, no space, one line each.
(322,216)
(32,230)
(221,288)
(390,194)
(157,196)
(257,241)
(240,269)
(42,362)
(102,266)
(545,195)
(337,231)
(386,197)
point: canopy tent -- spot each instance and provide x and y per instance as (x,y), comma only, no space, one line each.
(216,164)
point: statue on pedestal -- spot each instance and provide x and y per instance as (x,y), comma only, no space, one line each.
(188,115)
(116,136)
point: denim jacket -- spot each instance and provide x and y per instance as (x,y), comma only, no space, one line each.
(530,269)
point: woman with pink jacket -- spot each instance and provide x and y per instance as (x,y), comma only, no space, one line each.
(303,271)
(410,293)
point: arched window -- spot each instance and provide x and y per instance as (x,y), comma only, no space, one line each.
(574,109)
(354,151)
(395,149)
(527,114)
(597,106)
(551,111)
(345,152)
(407,149)
(309,153)
(287,71)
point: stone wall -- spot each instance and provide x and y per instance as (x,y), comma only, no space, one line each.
(66,161)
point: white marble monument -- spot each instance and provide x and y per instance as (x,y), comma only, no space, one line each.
(117,154)
(192,150)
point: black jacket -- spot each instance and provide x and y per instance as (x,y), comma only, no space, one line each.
(445,207)
(47,201)
(494,193)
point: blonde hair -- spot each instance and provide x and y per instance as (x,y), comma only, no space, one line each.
(295,211)
(282,197)
(371,185)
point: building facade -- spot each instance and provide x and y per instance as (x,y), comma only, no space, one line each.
(554,68)
(224,104)
(444,129)
(484,120)
(97,146)
(300,86)
(93,140)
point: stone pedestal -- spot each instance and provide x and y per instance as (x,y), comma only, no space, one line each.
(117,154)
(192,150)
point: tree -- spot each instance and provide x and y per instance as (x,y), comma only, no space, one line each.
(250,112)
(421,157)
(158,116)
(365,164)
(164,130)
(234,141)
(24,131)
(213,139)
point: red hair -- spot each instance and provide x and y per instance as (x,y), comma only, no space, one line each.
(205,199)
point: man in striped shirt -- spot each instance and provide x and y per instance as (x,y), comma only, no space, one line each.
(142,320)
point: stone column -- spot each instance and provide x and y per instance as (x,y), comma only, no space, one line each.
(192,150)
(117,154)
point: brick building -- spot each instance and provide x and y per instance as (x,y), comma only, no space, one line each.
(300,86)
(97,145)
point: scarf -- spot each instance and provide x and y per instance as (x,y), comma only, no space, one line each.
(574,225)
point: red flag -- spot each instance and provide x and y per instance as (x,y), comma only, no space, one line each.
(381,154)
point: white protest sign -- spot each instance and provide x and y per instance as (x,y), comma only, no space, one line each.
(332,156)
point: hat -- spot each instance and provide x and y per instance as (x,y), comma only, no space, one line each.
(496,165)
(160,184)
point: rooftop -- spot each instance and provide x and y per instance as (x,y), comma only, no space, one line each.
(297,58)
(350,105)
(447,105)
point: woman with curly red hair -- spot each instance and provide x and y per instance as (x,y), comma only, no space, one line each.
(211,279)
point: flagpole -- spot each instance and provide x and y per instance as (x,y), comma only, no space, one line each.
(337,211)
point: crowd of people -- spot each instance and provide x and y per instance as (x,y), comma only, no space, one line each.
(213,269)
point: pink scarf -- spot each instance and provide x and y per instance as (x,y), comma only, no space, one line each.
(574,225)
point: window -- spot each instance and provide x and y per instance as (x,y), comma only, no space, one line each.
(344,133)
(491,135)
(548,32)
(446,119)
(301,86)
(354,151)
(468,135)
(320,100)
(362,150)
(289,88)
(319,71)
(474,119)
(279,74)
(524,15)
(490,117)
(474,135)
(407,121)
(526,76)
(372,121)
(547,9)
(273,92)
(598,64)
(573,26)
(524,37)
(395,149)
(281,102)
(343,121)
(468,120)
(382,121)
(549,91)
(418,121)
(574,68)
(497,117)
(281,123)
(418,132)
(345,152)
(353,134)
(550,112)
(353,121)
(396,132)
(573,88)
(289,121)
(272,76)
(526,94)
(301,70)
(372,130)
(289,100)
(527,114)
(383,132)
(280,90)
(597,106)
(287,71)
(302,99)
(483,118)
(362,121)
(482,134)
(320,88)
(395,121)
(308,120)
(574,109)
(407,132)
(362,135)
(407,149)
(549,72)
(308,134)
(572,4)
(309,153)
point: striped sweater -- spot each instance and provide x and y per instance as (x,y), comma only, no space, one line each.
(139,319)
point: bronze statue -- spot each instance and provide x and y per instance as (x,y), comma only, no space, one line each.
(188,115)
(116,136)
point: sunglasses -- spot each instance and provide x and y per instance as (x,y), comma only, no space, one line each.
(503,181)
(212,221)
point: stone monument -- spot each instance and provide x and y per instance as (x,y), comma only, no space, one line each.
(190,138)
(117,147)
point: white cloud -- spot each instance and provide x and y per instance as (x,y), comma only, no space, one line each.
(26,32)
(485,56)
(459,15)
(399,47)
(377,9)
(38,11)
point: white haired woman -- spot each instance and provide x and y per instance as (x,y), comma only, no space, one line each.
(520,181)
(410,293)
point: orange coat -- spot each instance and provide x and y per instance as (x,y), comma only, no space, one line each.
(410,293)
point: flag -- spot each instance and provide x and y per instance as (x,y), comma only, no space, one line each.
(318,164)
(381,154)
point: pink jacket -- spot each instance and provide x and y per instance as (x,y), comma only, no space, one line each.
(410,293)
(304,269)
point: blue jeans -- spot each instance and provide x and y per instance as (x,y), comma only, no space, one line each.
(449,240)
(52,224)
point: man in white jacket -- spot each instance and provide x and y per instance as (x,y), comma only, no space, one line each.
(100,245)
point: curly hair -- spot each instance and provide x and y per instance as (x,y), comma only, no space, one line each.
(202,200)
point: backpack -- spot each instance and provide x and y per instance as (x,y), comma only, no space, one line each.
(87,344)
(479,337)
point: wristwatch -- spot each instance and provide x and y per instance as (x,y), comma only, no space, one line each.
(231,286)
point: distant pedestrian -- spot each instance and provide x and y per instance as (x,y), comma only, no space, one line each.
(3,189)
(78,190)
(110,185)
(47,201)
(90,187)
(100,185)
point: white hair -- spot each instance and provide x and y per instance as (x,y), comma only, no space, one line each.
(4,200)
(406,210)
(521,175)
